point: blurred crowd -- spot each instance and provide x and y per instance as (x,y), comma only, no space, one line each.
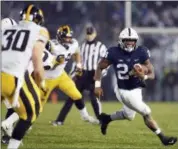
(108,18)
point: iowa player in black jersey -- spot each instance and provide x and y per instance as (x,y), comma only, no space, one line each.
(124,58)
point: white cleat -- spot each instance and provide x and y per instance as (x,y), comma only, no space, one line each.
(90,119)
(56,123)
(6,128)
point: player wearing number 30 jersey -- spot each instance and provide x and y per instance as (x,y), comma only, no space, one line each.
(124,58)
(20,44)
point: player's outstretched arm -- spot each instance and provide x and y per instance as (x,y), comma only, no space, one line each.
(103,64)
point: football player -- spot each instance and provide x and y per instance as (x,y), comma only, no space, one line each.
(49,62)
(6,23)
(124,58)
(64,48)
(20,44)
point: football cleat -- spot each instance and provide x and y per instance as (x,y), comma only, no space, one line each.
(6,128)
(105,119)
(56,123)
(169,140)
(5,139)
(90,119)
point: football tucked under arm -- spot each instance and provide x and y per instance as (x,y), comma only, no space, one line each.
(139,70)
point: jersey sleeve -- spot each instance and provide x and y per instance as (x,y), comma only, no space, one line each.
(145,54)
(43,35)
(76,46)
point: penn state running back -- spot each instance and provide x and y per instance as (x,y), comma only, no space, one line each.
(130,80)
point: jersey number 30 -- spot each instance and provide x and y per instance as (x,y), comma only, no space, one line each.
(16,40)
(122,71)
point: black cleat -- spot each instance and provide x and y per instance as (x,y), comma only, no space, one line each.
(169,140)
(105,119)
(5,139)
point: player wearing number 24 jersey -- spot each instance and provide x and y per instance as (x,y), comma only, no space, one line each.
(125,58)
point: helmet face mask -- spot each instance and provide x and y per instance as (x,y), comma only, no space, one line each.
(129,44)
(64,34)
(128,39)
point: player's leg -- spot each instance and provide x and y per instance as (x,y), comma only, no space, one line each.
(133,100)
(8,87)
(8,124)
(96,104)
(67,85)
(63,113)
(10,118)
(30,107)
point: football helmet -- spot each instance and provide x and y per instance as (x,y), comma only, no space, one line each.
(7,22)
(128,39)
(64,34)
(32,13)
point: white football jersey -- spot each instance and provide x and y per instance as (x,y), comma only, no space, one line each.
(17,46)
(59,50)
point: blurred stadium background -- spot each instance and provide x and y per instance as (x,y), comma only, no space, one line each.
(157,23)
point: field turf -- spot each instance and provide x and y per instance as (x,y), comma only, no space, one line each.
(77,134)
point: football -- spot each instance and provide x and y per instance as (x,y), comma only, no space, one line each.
(141,68)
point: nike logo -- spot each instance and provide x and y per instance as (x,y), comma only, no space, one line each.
(171,142)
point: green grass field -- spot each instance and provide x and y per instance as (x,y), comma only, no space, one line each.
(76,134)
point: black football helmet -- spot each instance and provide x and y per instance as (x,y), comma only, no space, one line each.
(32,13)
(64,34)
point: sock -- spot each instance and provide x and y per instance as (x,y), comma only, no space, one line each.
(159,133)
(118,115)
(65,110)
(9,112)
(20,129)
(95,104)
(14,144)
(12,118)
(79,104)
(84,112)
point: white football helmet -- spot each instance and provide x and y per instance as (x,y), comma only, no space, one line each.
(128,38)
(7,22)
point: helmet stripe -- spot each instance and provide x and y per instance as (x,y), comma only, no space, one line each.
(68,29)
(28,13)
(129,31)
(11,21)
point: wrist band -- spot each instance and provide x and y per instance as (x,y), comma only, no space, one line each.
(97,83)
(145,77)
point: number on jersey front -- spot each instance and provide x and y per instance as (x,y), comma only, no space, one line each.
(122,71)
(15,39)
